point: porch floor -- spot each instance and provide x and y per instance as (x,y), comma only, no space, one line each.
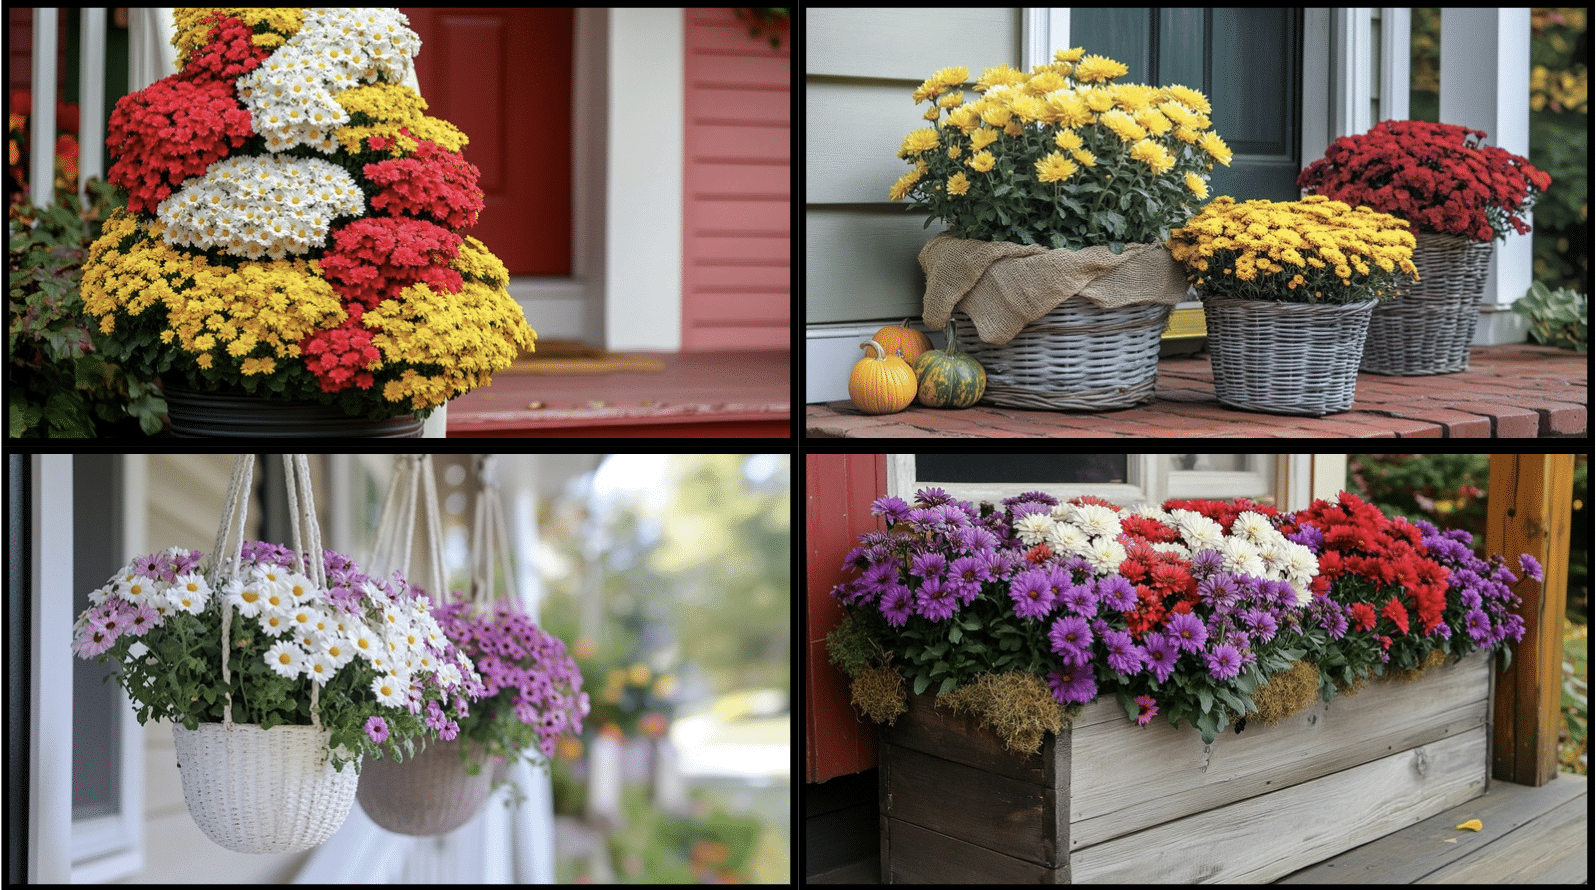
(1510,391)
(1530,835)
(694,394)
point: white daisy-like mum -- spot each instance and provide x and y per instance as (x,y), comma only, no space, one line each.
(244,594)
(286,658)
(189,592)
(389,691)
(1033,528)
(320,668)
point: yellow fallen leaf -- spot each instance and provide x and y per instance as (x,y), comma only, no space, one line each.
(1472,825)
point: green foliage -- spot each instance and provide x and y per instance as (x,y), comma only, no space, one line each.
(1558,318)
(59,382)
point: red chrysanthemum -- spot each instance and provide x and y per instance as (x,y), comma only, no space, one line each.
(169,131)
(1440,177)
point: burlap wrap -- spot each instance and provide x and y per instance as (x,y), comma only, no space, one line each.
(1006,286)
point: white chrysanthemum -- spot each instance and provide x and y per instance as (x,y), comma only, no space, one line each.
(320,668)
(286,658)
(275,622)
(245,595)
(1033,528)
(1254,527)
(1105,555)
(389,690)
(1200,532)
(365,643)
(137,589)
(305,620)
(336,647)
(252,206)
(1068,539)
(189,592)
(1301,567)
(1241,557)
(1097,520)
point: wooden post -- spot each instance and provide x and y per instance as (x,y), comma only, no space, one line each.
(1530,499)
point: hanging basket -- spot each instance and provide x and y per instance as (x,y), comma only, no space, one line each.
(1429,327)
(256,790)
(427,794)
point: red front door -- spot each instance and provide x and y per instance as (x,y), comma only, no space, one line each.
(503,76)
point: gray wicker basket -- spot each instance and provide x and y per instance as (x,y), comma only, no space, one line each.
(1428,328)
(428,794)
(1286,358)
(1077,357)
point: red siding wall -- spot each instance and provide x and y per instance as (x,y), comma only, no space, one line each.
(736,194)
(840,489)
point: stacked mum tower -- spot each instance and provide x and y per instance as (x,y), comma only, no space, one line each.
(292,221)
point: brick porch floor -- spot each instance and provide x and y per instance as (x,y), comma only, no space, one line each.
(1511,391)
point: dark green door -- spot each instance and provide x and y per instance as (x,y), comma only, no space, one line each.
(1248,62)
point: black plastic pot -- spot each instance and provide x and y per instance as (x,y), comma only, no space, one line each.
(238,415)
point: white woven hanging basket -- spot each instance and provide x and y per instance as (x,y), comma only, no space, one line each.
(256,790)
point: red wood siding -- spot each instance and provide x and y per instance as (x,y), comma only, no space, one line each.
(736,196)
(840,489)
(503,76)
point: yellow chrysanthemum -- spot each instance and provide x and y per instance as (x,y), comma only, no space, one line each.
(982,138)
(958,183)
(1055,168)
(1188,97)
(1196,186)
(1094,69)
(1069,140)
(1155,156)
(1122,125)
(1216,147)
(982,162)
(1001,75)
(919,141)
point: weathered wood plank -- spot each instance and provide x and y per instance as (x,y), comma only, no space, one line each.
(1126,778)
(1019,819)
(1271,835)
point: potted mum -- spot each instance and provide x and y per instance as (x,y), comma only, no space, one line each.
(1460,194)
(531,696)
(1059,188)
(1224,615)
(1287,289)
(276,684)
(289,262)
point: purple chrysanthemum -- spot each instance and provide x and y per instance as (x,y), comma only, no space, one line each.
(1123,653)
(1080,599)
(1186,631)
(1073,684)
(1224,662)
(1071,637)
(1530,567)
(1116,593)
(377,729)
(1031,593)
(1160,655)
(936,601)
(897,604)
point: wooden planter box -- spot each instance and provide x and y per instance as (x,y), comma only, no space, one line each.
(1110,801)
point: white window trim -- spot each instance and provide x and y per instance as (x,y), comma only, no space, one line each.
(1149,479)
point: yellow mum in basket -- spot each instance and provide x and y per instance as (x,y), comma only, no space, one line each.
(1310,251)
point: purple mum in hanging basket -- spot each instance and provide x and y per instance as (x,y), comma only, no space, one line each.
(533,687)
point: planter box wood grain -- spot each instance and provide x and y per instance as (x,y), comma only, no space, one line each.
(1110,801)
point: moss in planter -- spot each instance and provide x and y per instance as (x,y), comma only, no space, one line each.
(879,692)
(1015,705)
(1286,693)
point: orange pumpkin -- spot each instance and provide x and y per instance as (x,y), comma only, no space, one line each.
(903,340)
(881,385)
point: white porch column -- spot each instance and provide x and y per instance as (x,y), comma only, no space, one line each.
(1485,70)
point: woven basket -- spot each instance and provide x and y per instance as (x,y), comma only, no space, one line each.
(256,790)
(1286,358)
(428,794)
(1428,328)
(1077,357)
